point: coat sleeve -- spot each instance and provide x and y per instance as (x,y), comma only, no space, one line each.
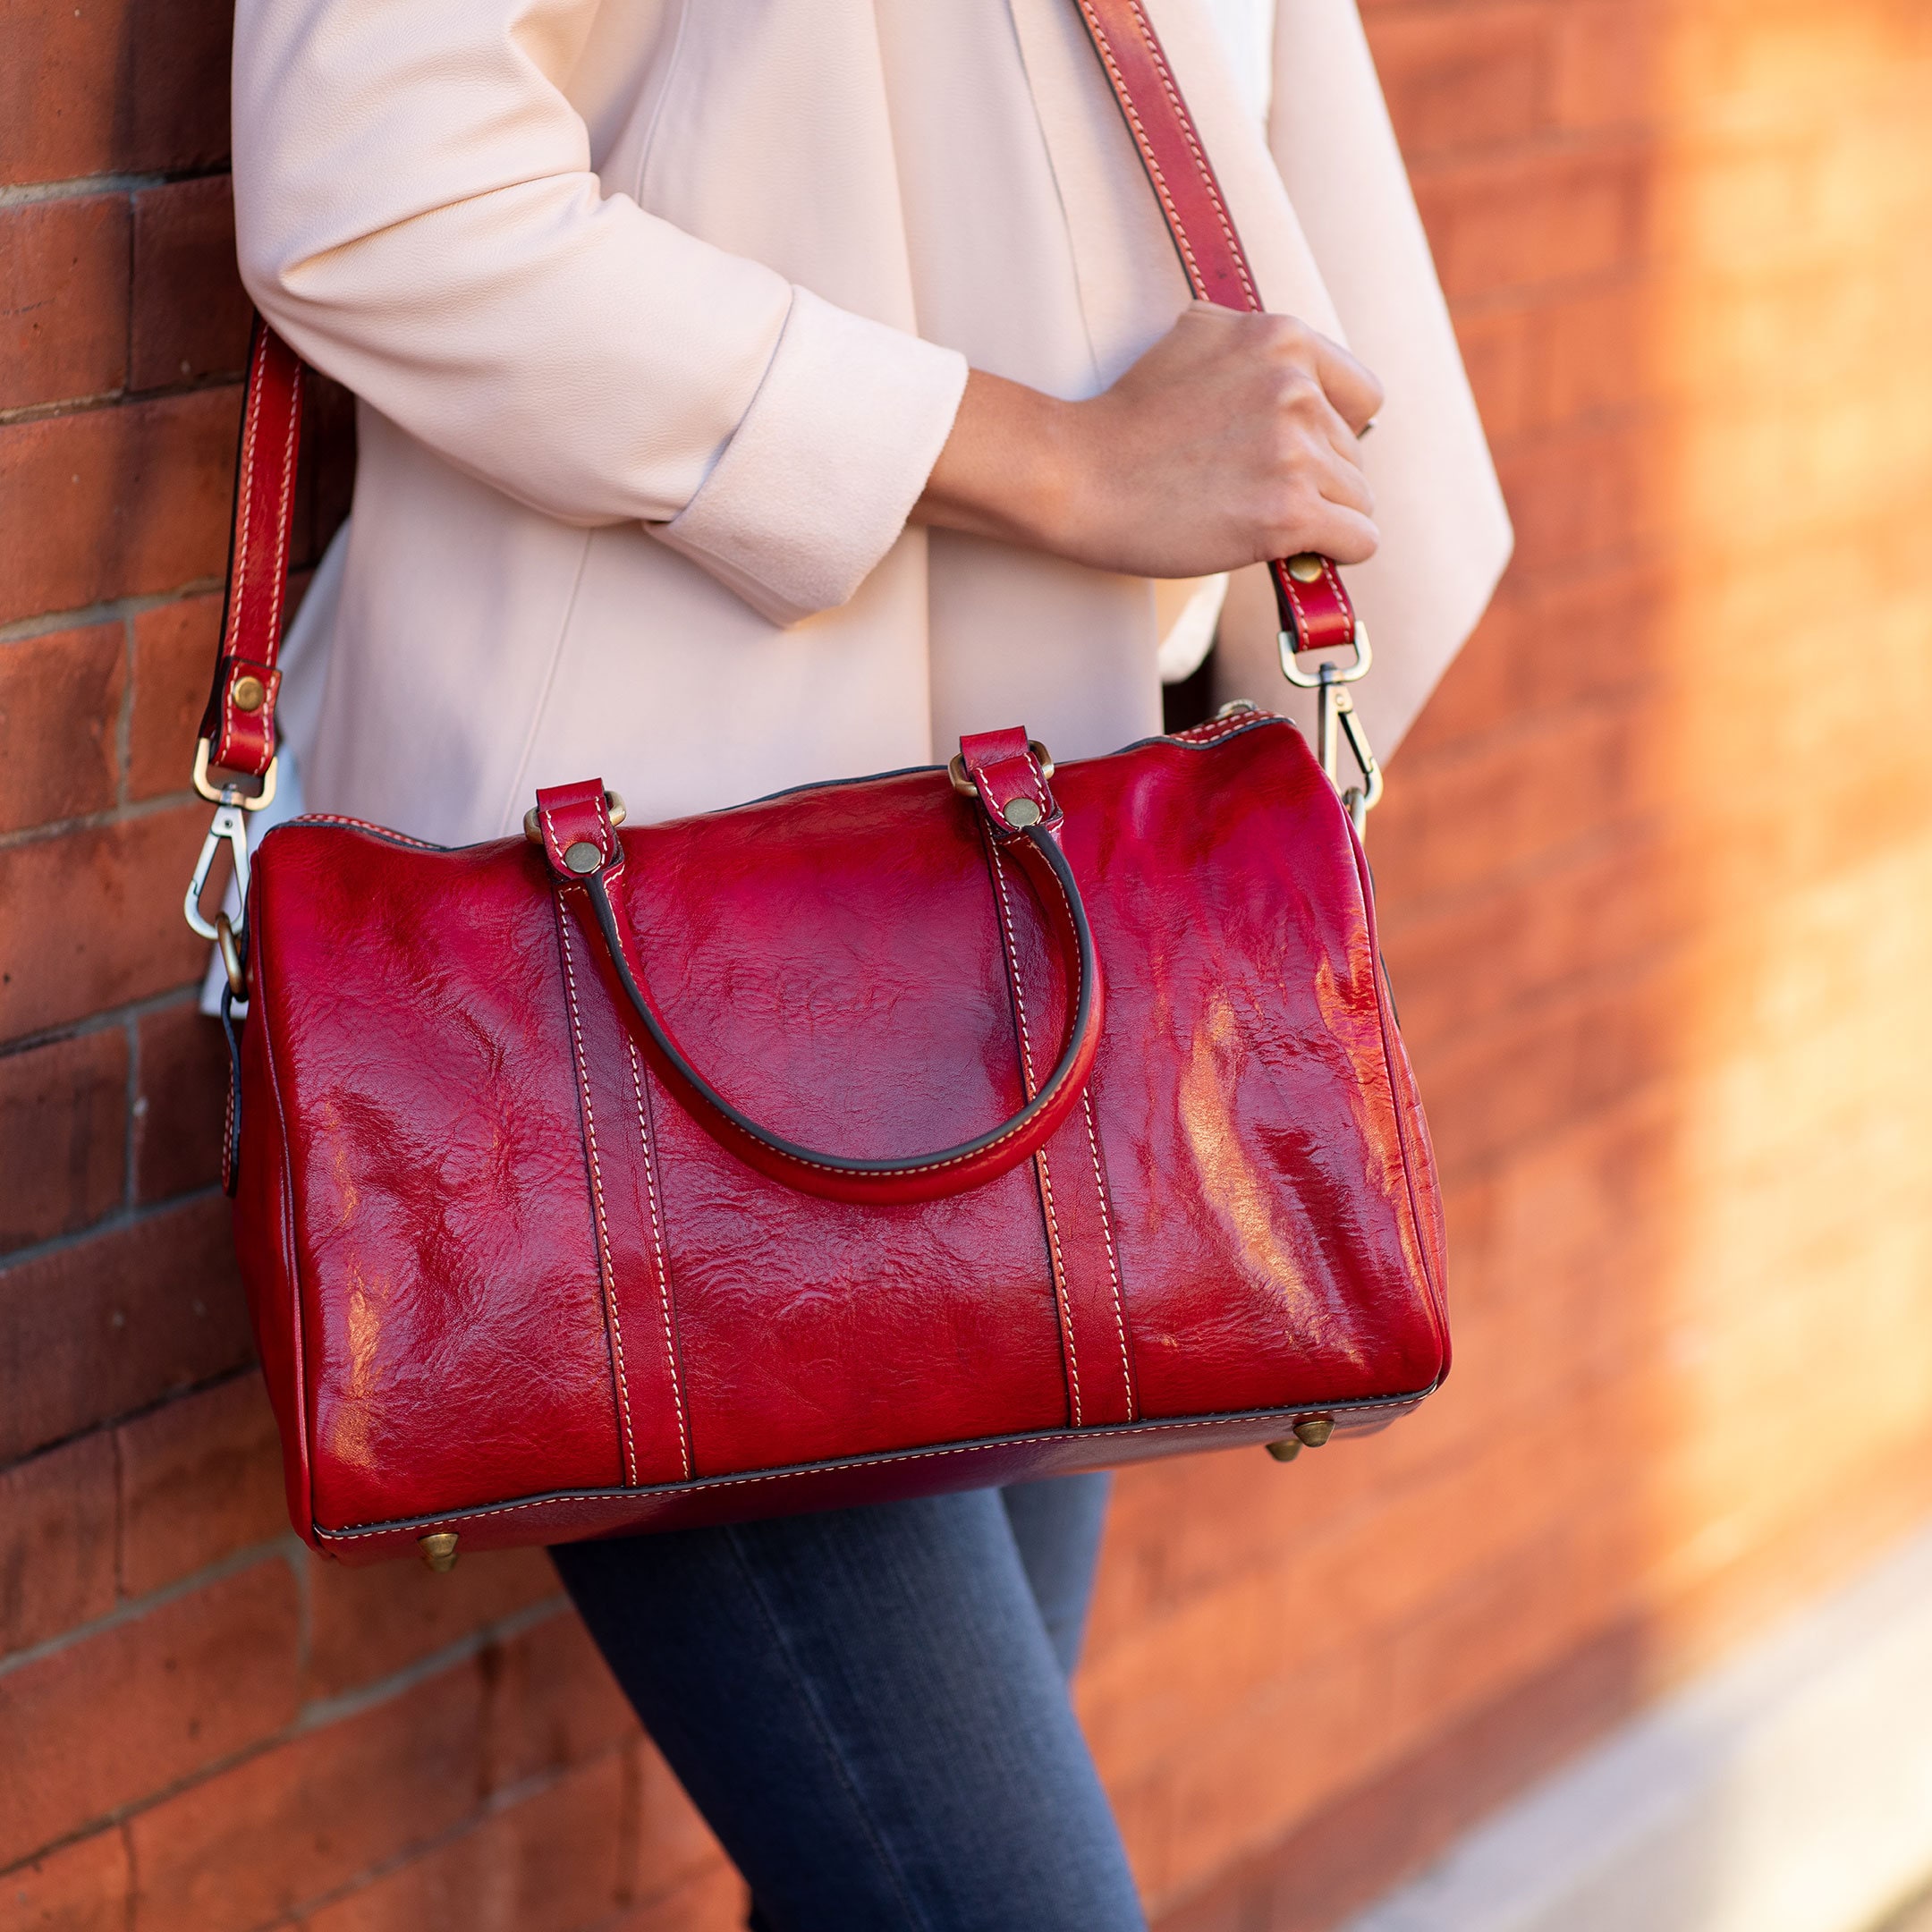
(416,211)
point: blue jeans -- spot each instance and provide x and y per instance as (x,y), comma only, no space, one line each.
(869,1705)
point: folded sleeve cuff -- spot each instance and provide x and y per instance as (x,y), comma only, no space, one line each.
(825,466)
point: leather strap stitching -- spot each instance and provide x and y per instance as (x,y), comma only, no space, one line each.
(1149,159)
(1063,1297)
(1113,1262)
(607,1276)
(1210,183)
(658,1246)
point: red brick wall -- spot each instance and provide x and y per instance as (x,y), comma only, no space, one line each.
(1655,872)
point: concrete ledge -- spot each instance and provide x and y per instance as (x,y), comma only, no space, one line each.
(1789,1791)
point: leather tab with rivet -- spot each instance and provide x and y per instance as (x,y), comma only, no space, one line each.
(1009,777)
(575,825)
(238,723)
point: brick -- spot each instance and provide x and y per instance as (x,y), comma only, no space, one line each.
(60,698)
(63,266)
(1507,1087)
(1477,958)
(674,1842)
(1593,635)
(114,501)
(92,919)
(1230,1792)
(107,1325)
(200,1477)
(543,1863)
(715,1900)
(180,1103)
(63,1134)
(1354,1847)
(367,1623)
(82,1888)
(191,315)
(174,649)
(57,1543)
(1605,64)
(1540,219)
(190,1683)
(1475,78)
(553,1702)
(1581,498)
(1497,353)
(1597,353)
(1486,810)
(119,86)
(305,1818)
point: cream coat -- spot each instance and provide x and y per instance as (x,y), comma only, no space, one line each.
(660,312)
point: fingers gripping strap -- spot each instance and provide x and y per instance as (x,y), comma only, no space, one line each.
(923,1176)
(1317,612)
(238,720)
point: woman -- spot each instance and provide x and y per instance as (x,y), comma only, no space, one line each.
(760,391)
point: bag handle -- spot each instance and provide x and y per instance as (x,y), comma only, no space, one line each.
(574,826)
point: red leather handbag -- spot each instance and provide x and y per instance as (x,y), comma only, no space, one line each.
(910,1133)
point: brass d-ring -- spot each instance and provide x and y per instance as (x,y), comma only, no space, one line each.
(230,944)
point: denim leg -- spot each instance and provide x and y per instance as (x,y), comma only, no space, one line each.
(866,1706)
(1057,1524)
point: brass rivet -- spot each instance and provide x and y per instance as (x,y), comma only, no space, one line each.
(1307,568)
(439,1550)
(248,693)
(1285,1452)
(1314,1430)
(581,856)
(1023,811)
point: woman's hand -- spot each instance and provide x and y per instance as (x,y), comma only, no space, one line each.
(1232,441)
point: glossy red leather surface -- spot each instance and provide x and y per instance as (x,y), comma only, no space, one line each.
(493,1259)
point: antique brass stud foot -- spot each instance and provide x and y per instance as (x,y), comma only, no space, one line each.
(440,1551)
(1314,1430)
(1285,1452)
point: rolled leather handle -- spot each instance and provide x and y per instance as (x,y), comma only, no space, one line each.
(844,1177)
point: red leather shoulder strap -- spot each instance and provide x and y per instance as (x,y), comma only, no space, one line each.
(1315,606)
(238,720)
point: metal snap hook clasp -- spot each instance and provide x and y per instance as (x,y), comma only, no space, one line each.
(229,823)
(1336,717)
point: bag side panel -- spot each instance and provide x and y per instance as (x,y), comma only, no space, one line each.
(1253,1140)
(444,1242)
